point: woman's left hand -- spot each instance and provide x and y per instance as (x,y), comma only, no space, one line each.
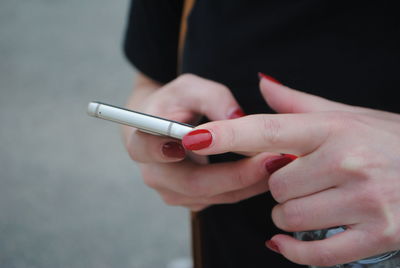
(347,173)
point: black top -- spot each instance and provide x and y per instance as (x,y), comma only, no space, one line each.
(347,51)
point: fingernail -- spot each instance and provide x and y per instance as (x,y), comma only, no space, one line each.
(173,150)
(278,162)
(268,77)
(272,246)
(291,156)
(236,114)
(197,139)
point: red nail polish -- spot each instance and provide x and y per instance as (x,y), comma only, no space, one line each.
(197,139)
(272,246)
(275,163)
(291,156)
(268,77)
(173,150)
(236,114)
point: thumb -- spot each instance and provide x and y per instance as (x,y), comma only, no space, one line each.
(286,100)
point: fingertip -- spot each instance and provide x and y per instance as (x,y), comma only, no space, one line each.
(285,244)
(272,245)
(283,238)
(147,148)
(278,96)
(291,156)
(274,163)
(265,77)
(236,113)
(173,150)
(197,139)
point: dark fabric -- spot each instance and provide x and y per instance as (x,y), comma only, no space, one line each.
(347,51)
(152,34)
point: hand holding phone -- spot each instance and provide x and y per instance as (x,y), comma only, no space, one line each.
(174,175)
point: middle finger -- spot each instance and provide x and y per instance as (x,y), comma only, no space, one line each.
(303,177)
(196,180)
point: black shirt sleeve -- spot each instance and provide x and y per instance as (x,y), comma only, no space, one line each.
(151,40)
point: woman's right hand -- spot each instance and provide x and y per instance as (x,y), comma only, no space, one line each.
(164,163)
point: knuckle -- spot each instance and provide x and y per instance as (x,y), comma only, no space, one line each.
(149,177)
(275,216)
(150,181)
(361,163)
(232,139)
(170,199)
(181,82)
(390,232)
(383,218)
(270,130)
(389,238)
(241,178)
(224,135)
(193,186)
(239,195)
(220,89)
(278,187)
(183,79)
(133,154)
(142,150)
(292,216)
(341,120)
(325,257)
(232,197)
(197,208)
(370,198)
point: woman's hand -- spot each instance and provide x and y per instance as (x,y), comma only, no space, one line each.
(164,164)
(347,173)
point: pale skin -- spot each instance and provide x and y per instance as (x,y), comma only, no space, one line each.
(347,173)
(188,181)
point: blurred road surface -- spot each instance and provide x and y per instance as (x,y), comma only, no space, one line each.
(69,195)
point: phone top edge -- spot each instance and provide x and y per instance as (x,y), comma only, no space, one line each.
(93,108)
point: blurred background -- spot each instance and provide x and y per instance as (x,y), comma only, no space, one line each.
(69,194)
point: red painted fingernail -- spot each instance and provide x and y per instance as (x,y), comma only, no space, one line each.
(291,156)
(173,150)
(236,114)
(272,246)
(197,139)
(275,163)
(268,77)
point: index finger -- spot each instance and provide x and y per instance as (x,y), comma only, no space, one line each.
(297,134)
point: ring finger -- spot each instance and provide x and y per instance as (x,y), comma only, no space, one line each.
(311,213)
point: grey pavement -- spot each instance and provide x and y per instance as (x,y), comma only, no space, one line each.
(69,194)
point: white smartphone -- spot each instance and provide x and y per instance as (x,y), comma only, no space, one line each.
(144,122)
